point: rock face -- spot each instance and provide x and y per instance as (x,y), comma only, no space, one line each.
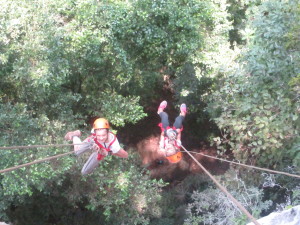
(286,217)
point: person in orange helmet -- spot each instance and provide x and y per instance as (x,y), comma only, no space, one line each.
(170,138)
(102,142)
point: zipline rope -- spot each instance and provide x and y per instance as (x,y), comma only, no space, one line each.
(253,167)
(35,162)
(236,163)
(189,153)
(242,208)
(37,146)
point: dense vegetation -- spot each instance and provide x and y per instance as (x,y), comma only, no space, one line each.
(64,62)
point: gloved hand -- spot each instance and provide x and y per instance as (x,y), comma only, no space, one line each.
(95,147)
(178,143)
(99,150)
(171,134)
(103,152)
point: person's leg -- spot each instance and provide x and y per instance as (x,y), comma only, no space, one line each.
(165,124)
(164,120)
(183,109)
(71,134)
(90,164)
(162,107)
(179,119)
(81,147)
(178,122)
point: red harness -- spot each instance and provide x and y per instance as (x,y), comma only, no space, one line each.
(166,139)
(163,129)
(100,157)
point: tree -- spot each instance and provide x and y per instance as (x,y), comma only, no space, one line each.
(212,206)
(66,62)
(257,108)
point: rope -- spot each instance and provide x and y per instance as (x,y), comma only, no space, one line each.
(224,190)
(35,162)
(37,146)
(253,167)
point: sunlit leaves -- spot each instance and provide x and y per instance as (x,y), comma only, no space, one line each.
(258,110)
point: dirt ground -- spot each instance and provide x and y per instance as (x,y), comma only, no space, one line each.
(172,172)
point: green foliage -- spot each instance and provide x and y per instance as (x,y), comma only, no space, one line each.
(296,196)
(196,79)
(124,191)
(157,38)
(212,206)
(20,128)
(31,48)
(65,62)
(237,10)
(118,191)
(162,33)
(282,190)
(116,108)
(255,107)
(59,54)
(174,200)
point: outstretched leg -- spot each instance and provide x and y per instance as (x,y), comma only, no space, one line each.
(178,122)
(163,115)
(179,119)
(79,146)
(164,120)
(90,164)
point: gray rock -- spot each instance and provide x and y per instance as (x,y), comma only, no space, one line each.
(286,217)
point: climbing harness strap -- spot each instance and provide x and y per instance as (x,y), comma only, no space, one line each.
(100,156)
(166,140)
(163,129)
(176,155)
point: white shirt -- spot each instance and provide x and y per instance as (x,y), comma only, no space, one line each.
(115,147)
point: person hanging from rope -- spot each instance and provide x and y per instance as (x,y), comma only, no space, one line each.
(170,138)
(102,142)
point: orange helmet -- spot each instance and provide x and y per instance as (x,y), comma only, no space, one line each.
(175,158)
(101,123)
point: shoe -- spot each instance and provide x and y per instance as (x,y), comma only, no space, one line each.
(69,136)
(183,109)
(162,106)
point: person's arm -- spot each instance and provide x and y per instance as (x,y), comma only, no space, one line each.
(161,148)
(162,140)
(117,150)
(178,138)
(121,153)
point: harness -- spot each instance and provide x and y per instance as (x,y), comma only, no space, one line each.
(100,156)
(163,129)
(166,140)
